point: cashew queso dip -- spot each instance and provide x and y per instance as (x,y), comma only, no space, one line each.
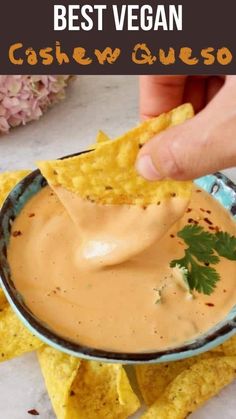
(93,273)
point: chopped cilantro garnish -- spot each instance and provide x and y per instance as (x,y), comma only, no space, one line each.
(204,249)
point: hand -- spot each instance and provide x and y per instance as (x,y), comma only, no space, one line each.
(200,146)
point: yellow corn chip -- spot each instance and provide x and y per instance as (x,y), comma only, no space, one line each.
(154,378)
(59,371)
(8,180)
(86,390)
(107,174)
(15,339)
(191,388)
(102,137)
(227,348)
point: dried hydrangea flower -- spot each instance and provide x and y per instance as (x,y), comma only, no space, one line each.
(25,98)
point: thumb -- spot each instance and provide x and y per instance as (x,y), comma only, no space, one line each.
(200,146)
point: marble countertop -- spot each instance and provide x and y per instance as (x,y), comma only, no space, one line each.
(109,103)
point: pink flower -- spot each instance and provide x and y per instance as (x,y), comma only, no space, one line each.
(25,98)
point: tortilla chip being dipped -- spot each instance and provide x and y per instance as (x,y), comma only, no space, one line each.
(86,389)
(192,387)
(101,138)
(107,174)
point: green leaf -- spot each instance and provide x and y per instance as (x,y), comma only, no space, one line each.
(201,243)
(225,245)
(203,278)
(200,253)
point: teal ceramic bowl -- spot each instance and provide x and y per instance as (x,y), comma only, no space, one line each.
(217,185)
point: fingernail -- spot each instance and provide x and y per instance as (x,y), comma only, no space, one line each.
(146,168)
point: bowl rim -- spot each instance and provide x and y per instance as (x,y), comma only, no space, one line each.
(200,344)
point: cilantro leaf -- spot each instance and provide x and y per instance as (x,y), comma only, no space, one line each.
(200,253)
(201,243)
(202,278)
(225,245)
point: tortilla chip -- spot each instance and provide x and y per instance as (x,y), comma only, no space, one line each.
(153,379)
(107,174)
(227,348)
(15,339)
(8,180)
(86,389)
(59,371)
(102,137)
(192,387)
(3,300)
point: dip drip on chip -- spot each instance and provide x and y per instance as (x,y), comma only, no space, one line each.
(107,174)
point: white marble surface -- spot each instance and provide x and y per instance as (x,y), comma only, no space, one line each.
(109,103)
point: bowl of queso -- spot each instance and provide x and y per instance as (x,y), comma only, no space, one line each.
(100,286)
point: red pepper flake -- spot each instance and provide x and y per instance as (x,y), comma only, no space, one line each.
(172,236)
(33,412)
(173,194)
(217,229)
(181,243)
(211,228)
(17,233)
(208,221)
(210,304)
(192,221)
(32,215)
(201,209)
(189,210)
(206,263)
(144,207)
(224,290)
(208,211)
(72,393)
(198,190)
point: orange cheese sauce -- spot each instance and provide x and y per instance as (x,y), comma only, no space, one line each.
(94,276)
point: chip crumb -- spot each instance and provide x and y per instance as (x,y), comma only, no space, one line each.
(33,412)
